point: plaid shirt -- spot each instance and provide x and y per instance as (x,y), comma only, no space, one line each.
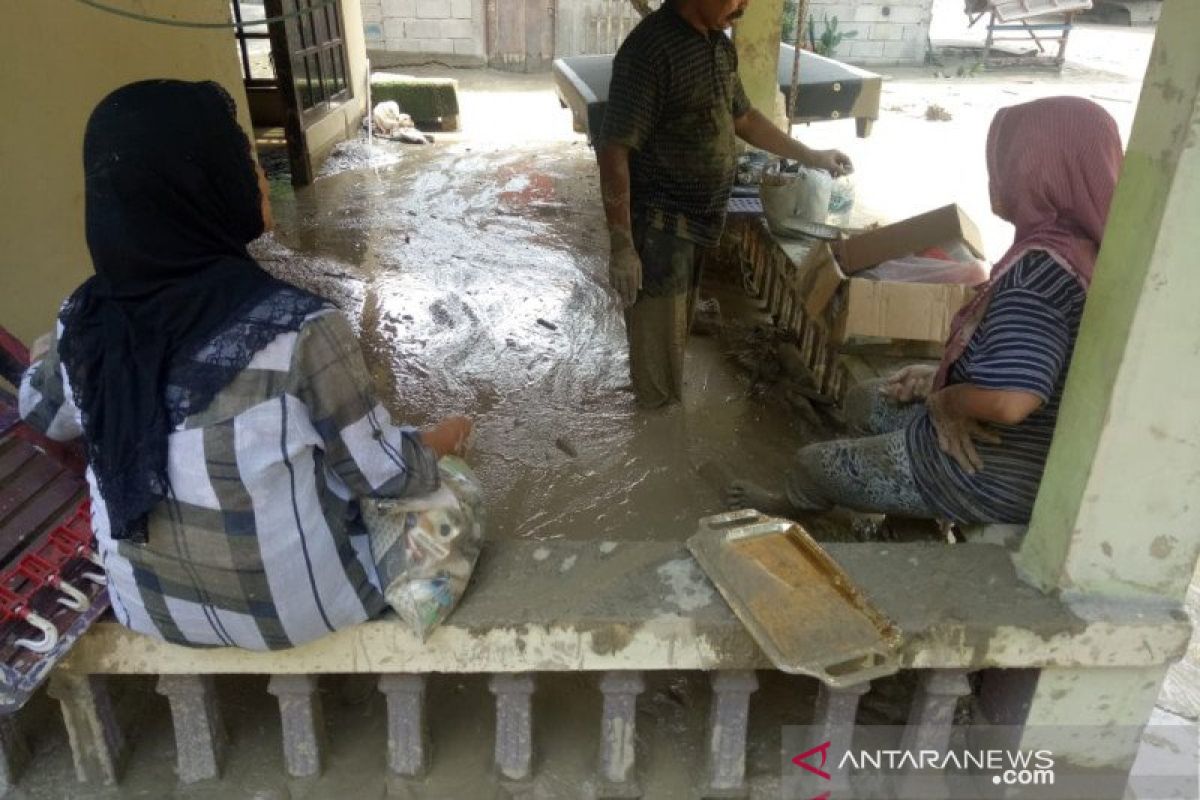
(256,547)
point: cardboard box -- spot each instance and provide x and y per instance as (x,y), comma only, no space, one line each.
(931,229)
(858,308)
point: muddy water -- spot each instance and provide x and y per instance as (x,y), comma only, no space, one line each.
(477,275)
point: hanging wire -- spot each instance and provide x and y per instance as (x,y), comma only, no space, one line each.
(183,23)
(794,94)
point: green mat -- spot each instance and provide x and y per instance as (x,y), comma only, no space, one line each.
(426,100)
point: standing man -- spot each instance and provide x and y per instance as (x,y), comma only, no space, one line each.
(667,156)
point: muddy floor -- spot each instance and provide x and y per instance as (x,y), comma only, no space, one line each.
(477,274)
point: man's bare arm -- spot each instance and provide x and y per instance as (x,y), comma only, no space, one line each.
(757,130)
(624,265)
(614,185)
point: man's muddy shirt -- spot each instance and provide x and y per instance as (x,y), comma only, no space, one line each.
(674,95)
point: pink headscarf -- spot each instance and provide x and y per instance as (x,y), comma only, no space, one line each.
(1053,167)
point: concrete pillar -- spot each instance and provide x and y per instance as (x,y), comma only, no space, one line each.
(14,754)
(303,723)
(618,735)
(97,745)
(1116,515)
(199,731)
(728,722)
(932,716)
(408,736)
(756,36)
(514,725)
(834,716)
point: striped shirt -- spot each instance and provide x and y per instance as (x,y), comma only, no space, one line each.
(256,546)
(1024,343)
(674,96)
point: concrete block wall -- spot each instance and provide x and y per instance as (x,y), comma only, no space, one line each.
(888,32)
(417,30)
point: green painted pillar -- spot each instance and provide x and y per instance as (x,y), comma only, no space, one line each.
(1118,513)
(757,38)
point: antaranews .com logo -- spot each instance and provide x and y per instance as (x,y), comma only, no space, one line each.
(1007,767)
(984,762)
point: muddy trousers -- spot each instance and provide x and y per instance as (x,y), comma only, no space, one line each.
(872,474)
(658,323)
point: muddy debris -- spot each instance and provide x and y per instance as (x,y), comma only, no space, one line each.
(935,113)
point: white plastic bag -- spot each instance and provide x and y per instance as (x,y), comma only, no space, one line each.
(425,548)
(800,197)
(389,119)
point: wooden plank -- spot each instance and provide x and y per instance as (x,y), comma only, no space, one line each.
(25,484)
(14,454)
(43,510)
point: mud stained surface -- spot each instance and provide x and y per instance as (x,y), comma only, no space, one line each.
(478,277)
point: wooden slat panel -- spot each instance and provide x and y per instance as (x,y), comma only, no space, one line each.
(44,510)
(14,453)
(20,488)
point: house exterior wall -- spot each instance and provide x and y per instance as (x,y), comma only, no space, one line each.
(412,31)
(455,31)
(593,27)
(886,31)
(61,60)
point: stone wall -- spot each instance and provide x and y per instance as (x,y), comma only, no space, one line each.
(893,32)
(451,31)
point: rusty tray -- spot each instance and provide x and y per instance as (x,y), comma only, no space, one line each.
(804,611)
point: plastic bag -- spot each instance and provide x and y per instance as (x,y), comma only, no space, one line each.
(800,197)
(915,269)
(389,119)
(841,201)
(425,548)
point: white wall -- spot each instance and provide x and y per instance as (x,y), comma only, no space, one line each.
(892,32)
(454,31)
(449,30)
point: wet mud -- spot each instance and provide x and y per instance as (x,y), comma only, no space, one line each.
(477,277)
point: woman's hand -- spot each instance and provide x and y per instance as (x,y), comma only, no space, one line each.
(957,432)
(910,384)
(449,437)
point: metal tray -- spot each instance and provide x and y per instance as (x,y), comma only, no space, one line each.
(802,609)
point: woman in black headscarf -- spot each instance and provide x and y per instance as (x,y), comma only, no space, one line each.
(228,416)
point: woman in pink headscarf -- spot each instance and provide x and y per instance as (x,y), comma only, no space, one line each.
(968,441)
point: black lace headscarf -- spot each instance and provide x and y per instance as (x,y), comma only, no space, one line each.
(172,200)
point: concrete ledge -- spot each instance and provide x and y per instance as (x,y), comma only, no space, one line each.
(387,59)
(567,606)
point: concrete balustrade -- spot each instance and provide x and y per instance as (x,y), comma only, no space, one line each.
(660,614)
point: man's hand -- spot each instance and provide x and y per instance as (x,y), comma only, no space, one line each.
(40,347)
(910,384)
(449,437)
(624,266)
(957,432)
(835,162)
